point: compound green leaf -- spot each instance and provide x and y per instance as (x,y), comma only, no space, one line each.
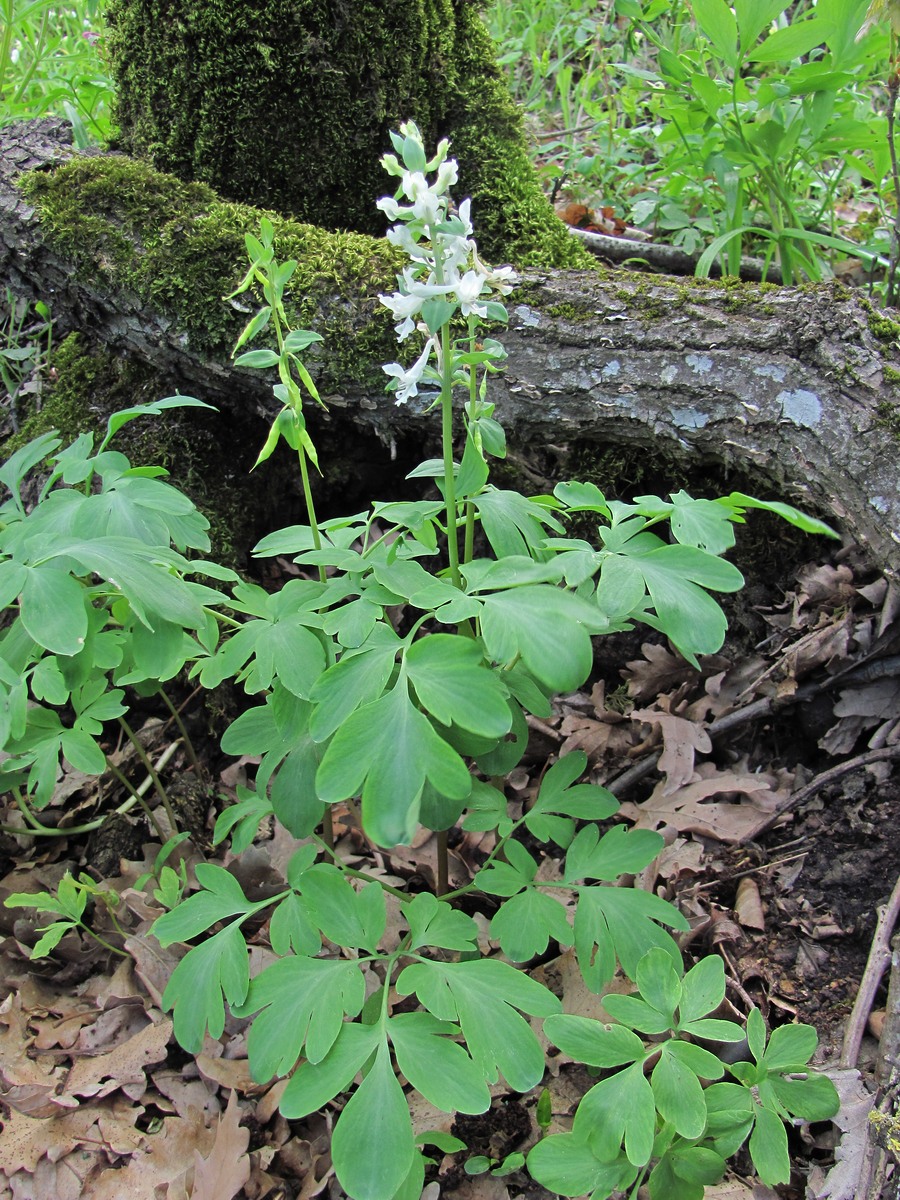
(220,896)
(593,1043)
(621,851)
(299,1001)
(659,982)
(702,523)
(566,1165)
(387,749)
(814,1098)
(482,997)
(703,1063)
(557,795)
(53,609)
(525,924)
(790,1047)
(433,922)
(353,681)
(83,752)
(636,1013)
(291,929)
(548,628)
(345,916)
(582,497)
(679,1096)
(717,21)
(769,1147)
(454,685)
(740,501)
(195,989)
(513,524)
(702,989)
(436,1066)
(51,937)
(616,1110)
(621,923)
(313,1084)
(372,1147)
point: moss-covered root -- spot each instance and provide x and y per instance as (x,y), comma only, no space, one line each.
(287,104)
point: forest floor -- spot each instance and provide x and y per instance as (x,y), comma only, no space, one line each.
(778,854)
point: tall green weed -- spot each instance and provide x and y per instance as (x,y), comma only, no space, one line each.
(745,128)
(51,63)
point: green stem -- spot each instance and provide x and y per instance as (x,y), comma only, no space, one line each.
(186,741)
(443,863)
(893,87)
(151,771)
(136,798)
(103,942)
(339,862)
(310,508)
(447,442)
(328,830)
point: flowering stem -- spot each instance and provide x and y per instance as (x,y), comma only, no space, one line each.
(447,439)
(310,508)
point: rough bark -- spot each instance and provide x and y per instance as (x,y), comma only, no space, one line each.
(793,387)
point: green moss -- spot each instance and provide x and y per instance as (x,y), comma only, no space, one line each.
(883,327)
(571,312)
(887,416)
(287,104)
(180,249)
(891,374)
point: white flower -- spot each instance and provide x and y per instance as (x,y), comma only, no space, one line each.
(399,236)
(408,380)
(503,279)
(391,209)
(391,164)
(429,207)
(448,174)
(404,308)
(414,184)
(467,290)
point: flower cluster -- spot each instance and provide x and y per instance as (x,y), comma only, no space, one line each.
(446,277)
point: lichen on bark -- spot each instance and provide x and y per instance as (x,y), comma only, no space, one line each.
(287,105)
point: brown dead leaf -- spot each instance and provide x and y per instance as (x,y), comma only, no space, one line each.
(122,1067)
(859,708)
(231,1073)
(26,1140)
(748,906)
(823,584)
(689,808)
(681,738)
(222,1175)
(160,1165)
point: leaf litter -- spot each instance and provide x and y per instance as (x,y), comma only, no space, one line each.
(98,1101)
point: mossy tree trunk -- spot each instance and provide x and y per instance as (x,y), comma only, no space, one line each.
(795,390)
(287,104)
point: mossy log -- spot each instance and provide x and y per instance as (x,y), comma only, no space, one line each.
(795,390)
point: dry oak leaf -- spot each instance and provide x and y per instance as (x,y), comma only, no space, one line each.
(26,1140)
(222,1175)
(123,1067)
(160,1166)
(680,739)
(689,810)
